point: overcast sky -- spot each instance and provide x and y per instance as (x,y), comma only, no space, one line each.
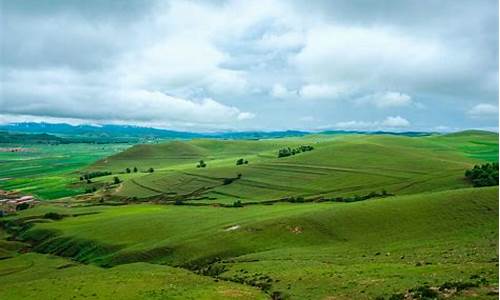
(261,65)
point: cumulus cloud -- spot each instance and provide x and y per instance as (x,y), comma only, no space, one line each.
(281,92)
(390,122)
(483,110)
(320,91)
(386,100)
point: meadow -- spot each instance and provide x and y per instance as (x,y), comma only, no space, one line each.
(46,170)
(175,233)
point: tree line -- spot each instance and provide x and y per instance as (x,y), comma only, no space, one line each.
(284,152)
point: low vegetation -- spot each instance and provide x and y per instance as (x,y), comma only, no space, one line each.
(483,175)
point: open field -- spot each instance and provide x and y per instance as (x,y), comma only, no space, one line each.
(304,251)
(343,165)
(47,170)
(175,233)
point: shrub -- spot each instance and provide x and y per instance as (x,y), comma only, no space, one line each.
(116,180)
(237,203)
(201,164)
(135,170)
(52,216)
(483,175)
(240,161)
(151,170)
(127,170)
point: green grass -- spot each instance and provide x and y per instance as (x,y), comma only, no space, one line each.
(48,171)
(336,249)
(36,276)
(343,165)
(436,229)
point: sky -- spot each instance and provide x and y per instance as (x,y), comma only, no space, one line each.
(402,65)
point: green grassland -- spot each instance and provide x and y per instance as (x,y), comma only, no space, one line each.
(305,251)
(433,233)
(47,170)
(343,165)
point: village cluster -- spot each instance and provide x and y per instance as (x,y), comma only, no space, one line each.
(11,201)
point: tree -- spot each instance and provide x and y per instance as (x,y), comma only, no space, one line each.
(116,180)
(151,170)
(201,164)
(483,175)
(240,161)
(127,170)
(135,169)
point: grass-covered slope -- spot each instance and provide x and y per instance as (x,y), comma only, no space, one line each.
(343,165)
(35,276)
(307,251)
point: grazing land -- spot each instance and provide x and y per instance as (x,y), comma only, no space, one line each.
(353,216)
(46,170)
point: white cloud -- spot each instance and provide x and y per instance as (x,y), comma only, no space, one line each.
(386,100)
(281,92)
(388,123)
(395,122)
(320,91)
(245,116)
(483,110)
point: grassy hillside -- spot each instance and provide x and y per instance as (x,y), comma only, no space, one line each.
(342,165)
(171,233)
(307,251)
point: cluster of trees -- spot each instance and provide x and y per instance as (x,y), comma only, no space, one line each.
(127,170)
(284,152)
(483,175)
(201,164)
(91,175)
(241,161)
(354,198)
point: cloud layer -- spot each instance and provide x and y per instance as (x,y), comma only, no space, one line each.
(183,64)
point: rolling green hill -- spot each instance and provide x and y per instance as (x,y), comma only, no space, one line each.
(306,251)
(408,224)
(343,165)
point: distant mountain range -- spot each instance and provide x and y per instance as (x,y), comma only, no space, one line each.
(66,133)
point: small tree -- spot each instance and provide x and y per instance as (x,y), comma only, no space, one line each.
(151,170)
(135,169)
(201,164)
(240,161)
(116,180)
(127,170)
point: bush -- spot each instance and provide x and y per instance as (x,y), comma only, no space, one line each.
(52,216)
(91,175)
(127,170)
(116,180)
(483,175)
(240,161)
(237,203)
(151,170)
(201,164)
(135,170)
